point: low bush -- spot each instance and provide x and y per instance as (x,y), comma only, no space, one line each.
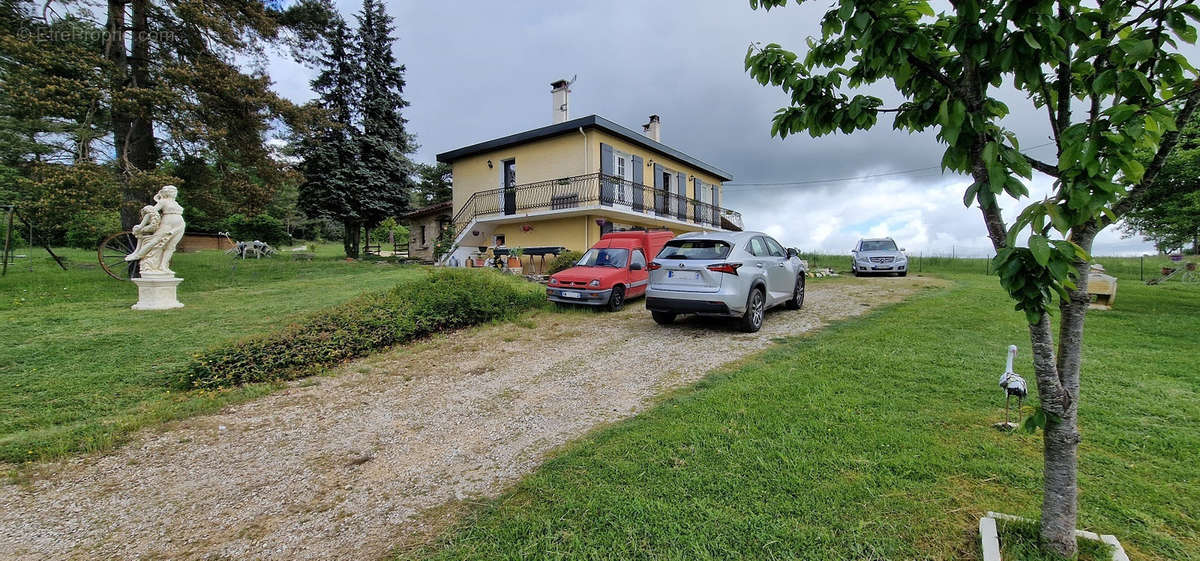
(444,299)
(261,227)
(87,228)
(564,261)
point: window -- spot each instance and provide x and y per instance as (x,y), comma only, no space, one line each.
(878,245)
(422,229)
(623,168)
(639,258)
(606,257)
(757,248)
(694,249)
(774,247)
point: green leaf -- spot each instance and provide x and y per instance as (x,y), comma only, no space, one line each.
(1035,421)
(1039,246)
(969,196)
(1057,218)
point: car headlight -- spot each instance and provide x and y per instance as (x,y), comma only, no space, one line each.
(595,282)
(553,280)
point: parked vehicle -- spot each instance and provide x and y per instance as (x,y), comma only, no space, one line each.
(878,255)
(611,272)
(732,274)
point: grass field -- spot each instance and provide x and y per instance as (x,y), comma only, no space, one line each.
(1124,268)
(79,370)
(873,439)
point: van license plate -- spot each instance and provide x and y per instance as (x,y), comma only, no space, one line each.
(571,294)
(685,275)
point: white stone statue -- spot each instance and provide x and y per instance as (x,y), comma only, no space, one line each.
(159,232)
(157,235)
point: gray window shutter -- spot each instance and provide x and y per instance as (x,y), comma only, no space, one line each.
(607,164)
(681,202)
(716,202)
(697,206)
(638,181)
(660,193)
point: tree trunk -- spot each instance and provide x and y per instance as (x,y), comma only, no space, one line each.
(350,242)
(132,123)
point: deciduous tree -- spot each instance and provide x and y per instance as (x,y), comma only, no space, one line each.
(1108,78)
(1167,212)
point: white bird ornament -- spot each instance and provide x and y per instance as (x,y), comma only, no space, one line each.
(1013,385)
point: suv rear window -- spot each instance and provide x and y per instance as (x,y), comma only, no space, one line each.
(695,249)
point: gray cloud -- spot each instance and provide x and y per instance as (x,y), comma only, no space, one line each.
(478,70)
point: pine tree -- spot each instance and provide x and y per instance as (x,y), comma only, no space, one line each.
(330,149)
(385,171)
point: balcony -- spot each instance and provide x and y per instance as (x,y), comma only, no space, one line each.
(595,191)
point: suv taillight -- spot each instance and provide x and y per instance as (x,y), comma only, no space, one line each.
(730,268)
(653,266)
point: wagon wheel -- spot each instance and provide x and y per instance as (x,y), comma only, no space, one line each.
(112,252)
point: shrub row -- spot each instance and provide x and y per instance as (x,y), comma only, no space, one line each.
(564,261)
(444,299)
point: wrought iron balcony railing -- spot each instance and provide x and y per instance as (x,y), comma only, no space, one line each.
(593,189)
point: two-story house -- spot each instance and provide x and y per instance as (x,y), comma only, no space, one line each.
(565,184)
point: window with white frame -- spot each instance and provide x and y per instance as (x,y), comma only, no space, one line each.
(623,168)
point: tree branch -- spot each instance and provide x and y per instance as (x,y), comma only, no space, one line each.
(1041,166)
(933,73)
(1170,139)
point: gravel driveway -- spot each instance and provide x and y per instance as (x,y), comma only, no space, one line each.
(342,467)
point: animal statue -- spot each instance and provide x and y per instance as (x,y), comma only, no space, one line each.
(1012,384)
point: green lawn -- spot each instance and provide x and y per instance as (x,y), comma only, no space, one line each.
(1126,268)
(873,439)
(79,370)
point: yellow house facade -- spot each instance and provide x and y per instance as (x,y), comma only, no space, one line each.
(563,185)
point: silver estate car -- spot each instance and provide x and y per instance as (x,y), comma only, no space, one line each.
(732,274)
(878,255)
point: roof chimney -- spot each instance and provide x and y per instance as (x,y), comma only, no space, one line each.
(559,91)
(653,129)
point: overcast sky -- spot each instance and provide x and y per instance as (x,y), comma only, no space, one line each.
(480,70)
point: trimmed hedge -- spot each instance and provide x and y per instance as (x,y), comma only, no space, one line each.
(445,299)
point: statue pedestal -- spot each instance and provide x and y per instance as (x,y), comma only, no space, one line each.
(157,292)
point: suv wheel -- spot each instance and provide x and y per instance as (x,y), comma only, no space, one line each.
(797,300)
(663,318)
(617,300)
(756,307)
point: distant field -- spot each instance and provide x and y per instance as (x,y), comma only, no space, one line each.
(79,370)
(1125,268)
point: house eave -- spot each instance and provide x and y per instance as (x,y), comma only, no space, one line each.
(588,122)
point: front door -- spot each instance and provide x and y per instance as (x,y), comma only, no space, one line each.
(509,178)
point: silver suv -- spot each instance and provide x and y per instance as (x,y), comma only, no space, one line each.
(732,274)
(878,255)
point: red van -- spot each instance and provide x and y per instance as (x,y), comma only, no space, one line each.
(611,272)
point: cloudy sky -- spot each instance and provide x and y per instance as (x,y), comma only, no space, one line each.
(480,70)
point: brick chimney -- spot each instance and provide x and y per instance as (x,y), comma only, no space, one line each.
(653,129)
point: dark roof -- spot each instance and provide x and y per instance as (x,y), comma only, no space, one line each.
(591,121)
(445,206)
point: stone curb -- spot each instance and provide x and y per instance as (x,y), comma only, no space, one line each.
(990,540)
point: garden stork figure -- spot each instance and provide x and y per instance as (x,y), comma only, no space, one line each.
(1013,385)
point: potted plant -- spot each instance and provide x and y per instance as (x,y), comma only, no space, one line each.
(514,257)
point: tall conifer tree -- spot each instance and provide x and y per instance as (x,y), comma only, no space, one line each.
(385,172)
